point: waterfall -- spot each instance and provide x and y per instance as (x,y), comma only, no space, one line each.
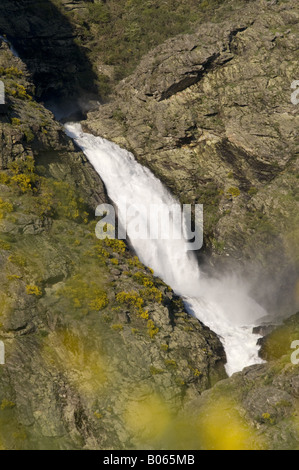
(221,304)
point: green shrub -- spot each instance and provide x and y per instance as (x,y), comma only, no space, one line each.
(143,279)
(24,182)
(69,205)
(100,302)
(84,294)
(252,191)
(5,208)
(15,121)
(22,174)
(33,290)
(119,116)
(117,327)
(29,136)
(234,192)
(152,329)
(4,178)
(134,262)
(10,72)
(6,404)
(130,298)
(13,277)
(17,259)
(155,371)
(4,245)
(133,299)
(23,165)
(98,13)
(18,91)
(117,246)
(151,294)
(144,314)
(170,363)
(266,418)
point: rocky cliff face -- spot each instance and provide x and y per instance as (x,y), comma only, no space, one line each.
(81,48)
(211,114)
(99,352)
(46,40)
(260,403)
(92,338)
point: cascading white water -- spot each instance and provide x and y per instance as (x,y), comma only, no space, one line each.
(222,305)
(10,46)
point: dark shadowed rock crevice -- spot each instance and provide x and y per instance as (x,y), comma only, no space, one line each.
(46,41)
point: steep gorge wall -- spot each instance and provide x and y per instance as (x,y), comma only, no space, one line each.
(91,336)
(211,114)
(47,42)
